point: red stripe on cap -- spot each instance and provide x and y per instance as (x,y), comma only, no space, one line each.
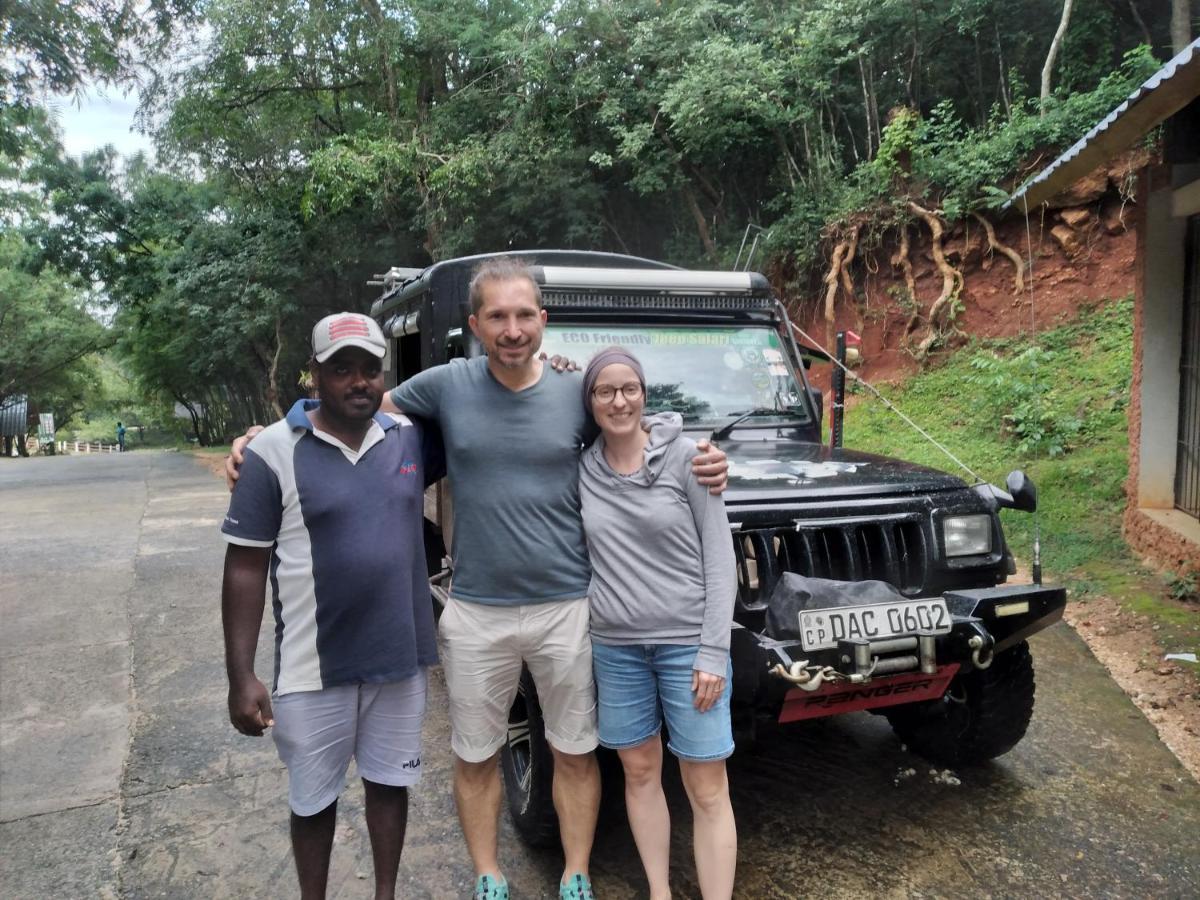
(340,328)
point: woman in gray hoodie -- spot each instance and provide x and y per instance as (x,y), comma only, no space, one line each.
(662,592)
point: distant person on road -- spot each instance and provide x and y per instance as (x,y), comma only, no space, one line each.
(329,503)
(662,592)
(120,438)
(514,431)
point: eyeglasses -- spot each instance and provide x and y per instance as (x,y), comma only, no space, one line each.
(606,393)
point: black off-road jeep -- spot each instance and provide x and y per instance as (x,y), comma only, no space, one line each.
(865,583)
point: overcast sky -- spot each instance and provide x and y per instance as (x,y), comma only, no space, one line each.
(103,117)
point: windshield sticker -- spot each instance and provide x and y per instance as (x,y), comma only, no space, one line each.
(748,338)
(771,355)
(733,360)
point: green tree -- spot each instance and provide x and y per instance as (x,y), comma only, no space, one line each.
(48,334)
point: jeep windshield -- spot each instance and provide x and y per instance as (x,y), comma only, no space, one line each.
(712,376)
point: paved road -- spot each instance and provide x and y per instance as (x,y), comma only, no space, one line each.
(120,777)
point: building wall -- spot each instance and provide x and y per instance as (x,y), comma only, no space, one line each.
(1165,536)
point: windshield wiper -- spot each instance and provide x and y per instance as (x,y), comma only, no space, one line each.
(726,430)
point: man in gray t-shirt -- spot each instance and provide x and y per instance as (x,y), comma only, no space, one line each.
(513,431)
(518,537)
(521,575)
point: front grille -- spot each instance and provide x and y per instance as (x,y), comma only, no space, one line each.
(891,551)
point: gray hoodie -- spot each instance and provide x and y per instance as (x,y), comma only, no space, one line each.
(663,570)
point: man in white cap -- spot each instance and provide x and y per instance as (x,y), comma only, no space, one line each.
(354,630)
(521,573)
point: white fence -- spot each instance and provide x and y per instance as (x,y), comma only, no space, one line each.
(32,445)
(86,447)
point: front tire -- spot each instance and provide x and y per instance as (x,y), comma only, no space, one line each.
(527,765)
(983,714)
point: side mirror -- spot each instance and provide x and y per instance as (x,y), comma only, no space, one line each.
(1024,493)
(818,400)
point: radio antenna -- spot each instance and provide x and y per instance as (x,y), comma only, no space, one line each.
(885,401)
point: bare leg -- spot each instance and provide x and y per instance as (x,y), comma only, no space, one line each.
(715,834)
(312,842)
(477,794)
(649,819)
(577,801)
(387,820)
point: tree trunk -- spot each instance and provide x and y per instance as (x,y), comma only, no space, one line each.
(1003,74)
(385,66)
(862,74)
(191,411)
(1141,24)
(273,371)
(689,197)
(1181,25)
(1055,44)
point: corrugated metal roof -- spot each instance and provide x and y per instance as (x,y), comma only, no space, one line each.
(1162,95)
(14,416)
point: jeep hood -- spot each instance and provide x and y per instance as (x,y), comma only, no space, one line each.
(760,468)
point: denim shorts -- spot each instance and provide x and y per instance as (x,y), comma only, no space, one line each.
(640,685)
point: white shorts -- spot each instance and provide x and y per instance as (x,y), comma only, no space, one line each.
(318,732)
(482,649)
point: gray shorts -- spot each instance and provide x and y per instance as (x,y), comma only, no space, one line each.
(483,648)
(318,732)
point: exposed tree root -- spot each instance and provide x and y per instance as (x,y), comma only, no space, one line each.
(1013,256)
(831,286)
(839,273)
(901,260)
(941,312)
(847,282)
(851,250)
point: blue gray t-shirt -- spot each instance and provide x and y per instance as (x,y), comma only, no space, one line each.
(513,462)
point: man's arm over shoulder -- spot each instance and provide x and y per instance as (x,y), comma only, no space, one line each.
(256,505)
(711,467)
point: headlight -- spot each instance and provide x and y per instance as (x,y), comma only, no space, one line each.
(967,535)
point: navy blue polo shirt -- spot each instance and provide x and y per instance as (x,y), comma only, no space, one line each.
(350,591)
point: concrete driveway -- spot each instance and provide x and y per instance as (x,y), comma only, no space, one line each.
(120,776)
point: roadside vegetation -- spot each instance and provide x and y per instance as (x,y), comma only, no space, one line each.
(1055,405)
(302,148)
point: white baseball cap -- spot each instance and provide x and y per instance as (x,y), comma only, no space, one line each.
(346,329)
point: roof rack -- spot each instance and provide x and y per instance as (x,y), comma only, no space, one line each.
(668,280)
(394,276)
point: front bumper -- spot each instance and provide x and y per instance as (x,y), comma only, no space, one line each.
(985,621)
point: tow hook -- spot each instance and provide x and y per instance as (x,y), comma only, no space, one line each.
(804,676)
(981,644)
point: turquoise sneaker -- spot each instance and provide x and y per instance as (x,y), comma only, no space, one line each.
(489,888)
(577,887)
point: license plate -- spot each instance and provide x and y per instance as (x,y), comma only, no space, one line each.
(821,629)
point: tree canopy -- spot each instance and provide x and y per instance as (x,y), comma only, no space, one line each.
(304,146)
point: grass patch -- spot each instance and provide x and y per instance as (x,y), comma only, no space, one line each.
(1056,407)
